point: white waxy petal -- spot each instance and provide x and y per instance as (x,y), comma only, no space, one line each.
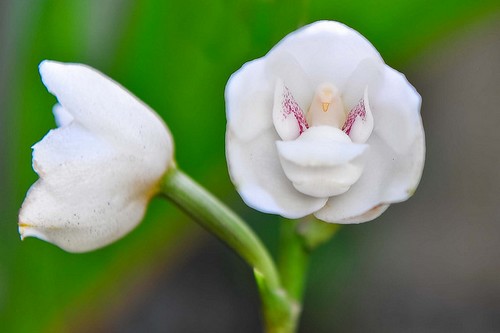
(96,176)
(369,215)
(288,117)
(283,65)
(105,107)
(327,52)
(323,162)
(359,123)
(366,76)
(395,106)
(249,100)
(85,197)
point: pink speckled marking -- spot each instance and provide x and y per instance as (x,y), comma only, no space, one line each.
(290,106)
(358,110)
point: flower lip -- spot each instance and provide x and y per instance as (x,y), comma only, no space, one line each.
(323,162)
(321,146)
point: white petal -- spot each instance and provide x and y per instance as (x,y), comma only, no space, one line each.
(107,109)
(359,124)
(396,112)
(395,106)
(256,171)
(96,176)
(288,118)
(282,65)
(327,51)
(249,101)
(88,195)
(322,162)
(371,214)
(367,75)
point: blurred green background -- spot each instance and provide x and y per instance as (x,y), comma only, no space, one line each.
(429,265)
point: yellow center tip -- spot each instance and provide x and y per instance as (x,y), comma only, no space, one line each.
(325,106)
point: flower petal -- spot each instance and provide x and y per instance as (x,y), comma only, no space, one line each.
(288,118)
(257,174)
(395,106)
(367,75)
(359,123)
(365,217)
(282,65)
(249,100)
(327,51)
(107,109)
(88,195)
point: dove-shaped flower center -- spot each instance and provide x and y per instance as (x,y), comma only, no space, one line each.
(327,138)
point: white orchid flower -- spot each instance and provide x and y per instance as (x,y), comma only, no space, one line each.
(100,168)
(321,125)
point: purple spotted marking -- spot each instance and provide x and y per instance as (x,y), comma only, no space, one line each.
(358,111)
(290,106)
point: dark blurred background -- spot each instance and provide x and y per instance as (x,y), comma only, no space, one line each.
(431,264)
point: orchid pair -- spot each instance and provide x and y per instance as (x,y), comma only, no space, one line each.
(319,126)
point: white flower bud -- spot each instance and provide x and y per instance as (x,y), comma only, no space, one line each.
(100,168)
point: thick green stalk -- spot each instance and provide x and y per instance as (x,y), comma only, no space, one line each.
(293,265)
(293,259)
(297,240)
(212,214)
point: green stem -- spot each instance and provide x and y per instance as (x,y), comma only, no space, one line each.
(293,260)
(293,264)
(226,225)
(297,240)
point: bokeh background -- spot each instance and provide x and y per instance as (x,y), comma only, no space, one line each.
(431,264)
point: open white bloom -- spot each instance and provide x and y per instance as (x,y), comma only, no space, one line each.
(321,125)
(100,168)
